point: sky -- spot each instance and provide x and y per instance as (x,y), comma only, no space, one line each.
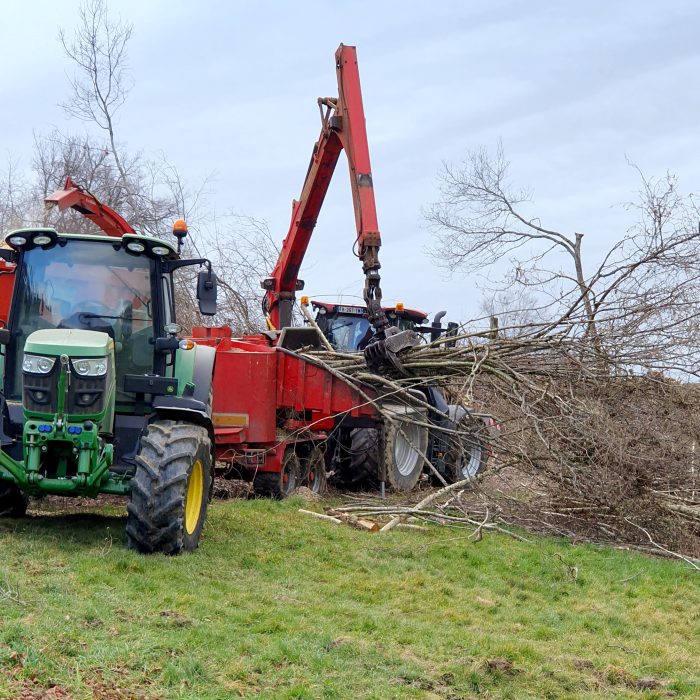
(573,91)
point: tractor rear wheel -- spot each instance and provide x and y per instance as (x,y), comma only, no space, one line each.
(403,442)
(364,458)
(467,454)
(279,484)
(315,471)
(170,489)
(13,503)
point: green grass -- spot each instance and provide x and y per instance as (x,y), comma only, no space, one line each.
(277,605)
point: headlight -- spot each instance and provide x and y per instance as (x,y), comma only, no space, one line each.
(37,364)
(90,368)
(17,241)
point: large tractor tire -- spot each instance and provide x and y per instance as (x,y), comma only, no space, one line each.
(364,458)
(13,503)
(467,454)
(403,443)
(279,485)
(315,471)
(170,489)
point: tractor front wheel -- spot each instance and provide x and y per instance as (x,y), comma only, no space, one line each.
(13,503)
(404,441)
(170,489)
(467,455)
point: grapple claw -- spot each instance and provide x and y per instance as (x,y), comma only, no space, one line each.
(383,353)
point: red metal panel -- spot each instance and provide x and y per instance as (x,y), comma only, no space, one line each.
(302,384)
(7,280)
(356,145)
(244,385)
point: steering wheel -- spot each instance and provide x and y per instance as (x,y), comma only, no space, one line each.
(91,316)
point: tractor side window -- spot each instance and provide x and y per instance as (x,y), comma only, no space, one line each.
(167,301)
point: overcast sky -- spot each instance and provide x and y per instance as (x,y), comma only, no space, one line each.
(573,90)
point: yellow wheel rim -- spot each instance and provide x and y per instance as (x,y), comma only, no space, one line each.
(193,501)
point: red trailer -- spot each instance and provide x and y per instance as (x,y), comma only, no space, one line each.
(273,410)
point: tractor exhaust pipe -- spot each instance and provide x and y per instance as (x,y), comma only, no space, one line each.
(436,326)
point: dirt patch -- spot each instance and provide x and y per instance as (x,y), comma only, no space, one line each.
(100,689)
(61,505)
(226,489)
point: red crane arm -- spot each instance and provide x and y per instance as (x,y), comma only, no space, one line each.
(73,196)
(342,128)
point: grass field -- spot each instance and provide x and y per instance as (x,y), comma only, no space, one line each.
(278,605)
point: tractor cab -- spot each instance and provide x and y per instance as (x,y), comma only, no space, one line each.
(117,289)
(98,284)
(348,329)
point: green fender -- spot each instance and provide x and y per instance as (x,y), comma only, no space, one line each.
(194,370)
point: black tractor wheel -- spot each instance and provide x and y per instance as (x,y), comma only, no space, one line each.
(403,443)
(170,489)
(467,454)
(315,471)
(279,484)
(13,503)
(363,470)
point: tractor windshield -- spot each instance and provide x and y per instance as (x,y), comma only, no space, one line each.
(348,333)
(89,285)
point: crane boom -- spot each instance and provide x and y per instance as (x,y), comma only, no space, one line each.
(342,128)
(73,196)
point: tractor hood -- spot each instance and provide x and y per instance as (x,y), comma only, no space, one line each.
(69,341)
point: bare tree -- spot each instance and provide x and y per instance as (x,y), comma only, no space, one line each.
(479,220)
(597,394)
(146,189)
(13,196)
(642,291)
(516,311)
(101,82)
(245,251)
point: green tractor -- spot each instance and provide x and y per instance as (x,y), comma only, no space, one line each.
(99,394)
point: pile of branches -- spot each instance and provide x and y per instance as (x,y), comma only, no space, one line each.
(451,506)
(587,450)
(472,354)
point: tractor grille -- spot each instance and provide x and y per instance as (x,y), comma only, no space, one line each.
(86,395)
(39,394)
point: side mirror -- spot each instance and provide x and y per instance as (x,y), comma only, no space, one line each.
(5,336)
(8,255)
(206,292)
